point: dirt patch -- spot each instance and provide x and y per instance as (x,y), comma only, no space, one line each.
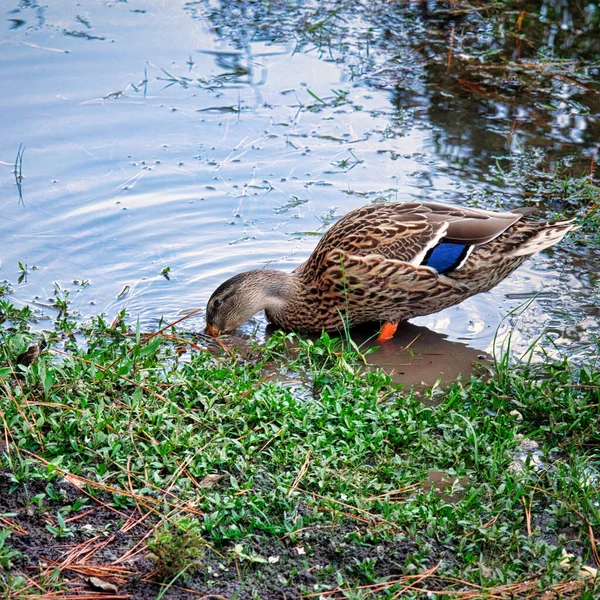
(98,540)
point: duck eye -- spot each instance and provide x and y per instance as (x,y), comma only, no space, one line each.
(217,303)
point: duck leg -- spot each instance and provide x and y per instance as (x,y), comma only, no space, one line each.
(387,332)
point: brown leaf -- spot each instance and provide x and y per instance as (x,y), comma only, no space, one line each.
(102,585)
(29,356)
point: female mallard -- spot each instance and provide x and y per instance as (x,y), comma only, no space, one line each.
(386,262)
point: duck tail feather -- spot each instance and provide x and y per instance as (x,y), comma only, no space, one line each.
(548,236)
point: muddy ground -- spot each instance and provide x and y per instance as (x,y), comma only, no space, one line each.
(102,537)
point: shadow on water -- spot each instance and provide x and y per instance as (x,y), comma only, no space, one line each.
(415,356)
(418,356)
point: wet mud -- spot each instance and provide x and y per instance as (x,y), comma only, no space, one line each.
(103,538)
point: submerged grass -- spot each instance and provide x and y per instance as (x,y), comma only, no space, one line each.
(228,483)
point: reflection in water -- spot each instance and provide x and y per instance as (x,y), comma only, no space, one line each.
(419,356)
(215,137)
(515,78)
(415,356)
(449,488)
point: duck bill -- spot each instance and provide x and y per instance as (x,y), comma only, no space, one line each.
(212,331)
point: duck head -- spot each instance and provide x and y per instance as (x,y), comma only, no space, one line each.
(245,294)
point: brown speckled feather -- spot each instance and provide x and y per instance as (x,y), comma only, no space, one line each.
(367,267)
(405,231)
(370,266)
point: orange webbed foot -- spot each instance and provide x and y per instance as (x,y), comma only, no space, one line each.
(387,332)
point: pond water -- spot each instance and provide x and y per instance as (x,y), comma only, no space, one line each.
(170,145)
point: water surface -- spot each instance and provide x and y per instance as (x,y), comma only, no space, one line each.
(196,140)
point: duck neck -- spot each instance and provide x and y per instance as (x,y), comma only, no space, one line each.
(277,290)
(268,290)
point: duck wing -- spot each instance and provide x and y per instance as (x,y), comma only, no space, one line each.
(374,278)
(417,233)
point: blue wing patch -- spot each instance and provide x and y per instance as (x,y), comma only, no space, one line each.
(446,256)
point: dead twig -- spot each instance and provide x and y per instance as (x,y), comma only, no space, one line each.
(373,517)
(527,514)
(13,526)
(300,475)
(392,494)
(450,50)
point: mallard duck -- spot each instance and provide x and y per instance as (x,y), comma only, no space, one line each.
(386,263)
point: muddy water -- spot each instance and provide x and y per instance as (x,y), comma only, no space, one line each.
(170,145)
(418,356)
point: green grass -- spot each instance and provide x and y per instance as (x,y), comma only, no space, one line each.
(143,425)
(323,485)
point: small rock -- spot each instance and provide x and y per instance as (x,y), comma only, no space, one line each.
(515,413)
(210,480)
(585,571)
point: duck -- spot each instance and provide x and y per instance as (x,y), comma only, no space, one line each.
(387,263)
